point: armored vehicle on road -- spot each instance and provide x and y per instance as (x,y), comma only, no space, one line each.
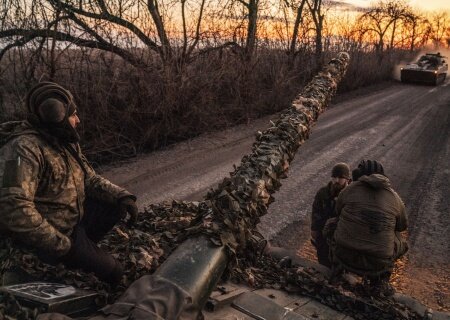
(431,68)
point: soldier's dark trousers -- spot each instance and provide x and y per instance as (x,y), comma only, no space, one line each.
(323,251)
(98,220)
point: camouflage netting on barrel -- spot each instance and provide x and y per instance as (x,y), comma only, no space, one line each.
(240,200)
(229,216)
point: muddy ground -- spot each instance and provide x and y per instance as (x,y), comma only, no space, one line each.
(406,127)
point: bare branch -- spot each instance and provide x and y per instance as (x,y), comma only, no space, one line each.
(86,28)
(102,6)
(61,36)
(152,6)
(246,4)
(18,43)
(197,31)
(105,15)
(183,18)
(298,21)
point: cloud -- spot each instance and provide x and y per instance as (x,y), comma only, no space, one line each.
(343,5)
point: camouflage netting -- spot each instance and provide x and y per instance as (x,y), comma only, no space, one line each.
(229,216)
(160,229)
(352,300)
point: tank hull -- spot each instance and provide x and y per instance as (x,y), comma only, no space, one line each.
(421,76)
(430,69)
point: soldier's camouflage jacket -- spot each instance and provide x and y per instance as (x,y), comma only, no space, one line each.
(43,187)
(323,208)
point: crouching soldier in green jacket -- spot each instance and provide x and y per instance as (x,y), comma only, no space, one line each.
(367,239)
(51,200)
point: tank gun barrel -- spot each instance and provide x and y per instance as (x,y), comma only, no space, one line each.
(240,200)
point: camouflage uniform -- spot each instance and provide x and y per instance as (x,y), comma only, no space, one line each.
(323,208)
(43,187)
(367,239)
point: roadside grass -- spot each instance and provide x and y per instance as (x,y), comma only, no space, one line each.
(126,111)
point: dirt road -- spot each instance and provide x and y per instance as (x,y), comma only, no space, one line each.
(406,127)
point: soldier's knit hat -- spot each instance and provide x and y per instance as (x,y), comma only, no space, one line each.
(341,170)
(368,167)
(50,107)
(356,174)
(50,102)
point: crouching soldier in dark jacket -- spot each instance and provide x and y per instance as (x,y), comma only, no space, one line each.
(51,200)
(324,208)
(367,239)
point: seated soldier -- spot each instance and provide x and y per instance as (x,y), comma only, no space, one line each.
(51,200)
(323,208)
(367,239)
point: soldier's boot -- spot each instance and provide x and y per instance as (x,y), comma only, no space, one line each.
(115,276)
(381,286)
(336,272)
(384,289)
(285,262)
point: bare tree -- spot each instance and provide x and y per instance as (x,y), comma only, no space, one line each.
(95,24)
(318,17)
(398,11)
(298,9)
(417,29)
(188,49)
(251,8)
(440,24)
(382,18)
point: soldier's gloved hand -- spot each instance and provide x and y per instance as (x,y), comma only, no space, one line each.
(50,256)
(128,205)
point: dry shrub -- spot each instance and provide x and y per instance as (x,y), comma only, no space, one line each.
(368,68)
(125,111)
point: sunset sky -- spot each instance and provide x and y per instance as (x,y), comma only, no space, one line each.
(425,5)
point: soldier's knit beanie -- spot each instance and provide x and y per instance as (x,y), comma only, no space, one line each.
(368,167)
(50,102)
(356,174)
(341,170)
(50,106)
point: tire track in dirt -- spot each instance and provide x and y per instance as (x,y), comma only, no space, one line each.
(179,163)
(424,272)
(187,168)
